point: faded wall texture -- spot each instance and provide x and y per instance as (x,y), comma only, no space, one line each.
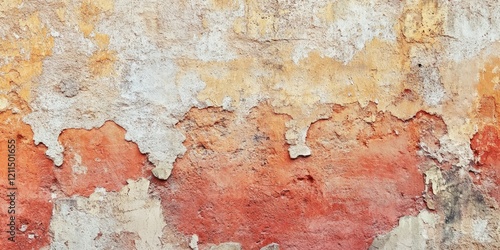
(251,124)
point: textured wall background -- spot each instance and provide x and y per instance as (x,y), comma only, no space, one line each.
(251,124)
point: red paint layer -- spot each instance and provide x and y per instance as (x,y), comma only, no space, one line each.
(486,147)
(34,181)
(98,158)
(237,183)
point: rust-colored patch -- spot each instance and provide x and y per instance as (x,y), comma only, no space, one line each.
(98,158)
(236,181)
(486,141)
(486,147)
(34,181)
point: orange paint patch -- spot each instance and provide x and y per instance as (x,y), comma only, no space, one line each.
(489,82)
(34,180)
(237,183)
(486,141)
(486,147)
(98,158)
(487,110)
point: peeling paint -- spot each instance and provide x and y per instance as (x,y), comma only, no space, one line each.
(260,124)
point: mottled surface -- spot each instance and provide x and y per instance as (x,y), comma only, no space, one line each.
(35,182)
(236,124)
(247,189)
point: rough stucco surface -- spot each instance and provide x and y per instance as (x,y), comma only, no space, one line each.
(235,124)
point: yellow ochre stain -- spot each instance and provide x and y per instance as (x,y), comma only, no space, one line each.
(101,63)
(374,75)
(26,55)
(89,14)
(225,4)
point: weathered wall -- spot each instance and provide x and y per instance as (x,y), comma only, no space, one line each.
(228,124)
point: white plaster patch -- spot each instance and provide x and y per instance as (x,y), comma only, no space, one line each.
(109,220)
(272,246)
(227,246)
(193,244)
(480,230)
(226,103)
(456,152)
(212,45)
(432,90)
(296,138)
(355,23)
(77,167)
(411,233)
(4,103)
(470,27)
(434,177)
